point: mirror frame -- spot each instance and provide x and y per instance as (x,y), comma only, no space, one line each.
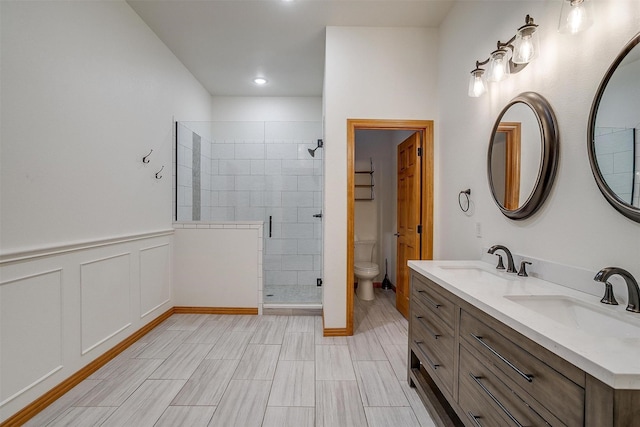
(550,150)
(624,208)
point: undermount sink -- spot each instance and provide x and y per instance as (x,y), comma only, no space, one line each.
(471,273)
(574,313)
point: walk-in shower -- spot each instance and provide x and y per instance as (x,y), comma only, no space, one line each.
(260,171)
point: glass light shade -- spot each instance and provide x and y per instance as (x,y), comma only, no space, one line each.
(526,45)
(498,69)
(575,16)
(477,86)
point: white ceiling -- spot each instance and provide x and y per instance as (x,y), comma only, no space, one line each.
(226,43)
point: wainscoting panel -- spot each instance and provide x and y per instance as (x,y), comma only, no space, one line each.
(30,332)
(105,286)
(63,307)
(155,278)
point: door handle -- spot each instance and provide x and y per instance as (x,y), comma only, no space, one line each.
(396,234)
(319,215)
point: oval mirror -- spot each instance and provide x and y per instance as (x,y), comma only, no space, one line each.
(523,155)
(614,135)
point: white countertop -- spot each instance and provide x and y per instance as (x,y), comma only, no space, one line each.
(614,360)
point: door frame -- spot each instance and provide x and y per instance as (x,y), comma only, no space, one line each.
(425,127)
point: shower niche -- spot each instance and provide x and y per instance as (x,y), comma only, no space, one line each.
(233,172)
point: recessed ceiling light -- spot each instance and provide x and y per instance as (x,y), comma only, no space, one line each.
(260,81)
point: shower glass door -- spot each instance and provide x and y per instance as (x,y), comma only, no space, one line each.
(260,171)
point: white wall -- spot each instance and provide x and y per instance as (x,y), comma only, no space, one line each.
(576,226)
(373,73)
(87,90)
(266,108)
(86,239)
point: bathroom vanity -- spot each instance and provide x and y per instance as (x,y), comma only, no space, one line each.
(493,349)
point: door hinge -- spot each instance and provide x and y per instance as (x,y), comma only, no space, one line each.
(419,151)
(318,282)
(420,229)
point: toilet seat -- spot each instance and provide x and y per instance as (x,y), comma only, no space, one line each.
(365,268)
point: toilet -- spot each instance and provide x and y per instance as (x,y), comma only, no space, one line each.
(364,269)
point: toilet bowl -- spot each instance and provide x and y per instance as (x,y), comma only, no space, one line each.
(365,270)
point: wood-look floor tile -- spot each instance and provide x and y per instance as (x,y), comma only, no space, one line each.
(301,324)
(118,387)
(207,384)
(338,404)
(365,346)
(230,346)
(145,406)
(397,355)
(187,322)
(182,363)
(333,363)
(258,362)
(289,417)
(243,404)
(378,384)
(191,416)
(293,384)
(391,417)
(391,332)
(210,331)
(322,340)
(164,345)
(419,410)
(81,417)
(270,330)
(62,404)
(244,323)
(298,346)
(107,370)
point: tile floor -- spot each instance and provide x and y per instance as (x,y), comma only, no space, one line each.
(214,370)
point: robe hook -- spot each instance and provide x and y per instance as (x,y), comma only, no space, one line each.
(145,159)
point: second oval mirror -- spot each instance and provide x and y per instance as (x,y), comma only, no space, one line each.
(523,155)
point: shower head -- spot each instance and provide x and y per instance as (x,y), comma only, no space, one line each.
(313,152)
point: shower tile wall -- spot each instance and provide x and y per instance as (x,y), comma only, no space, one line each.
(256,171)
(615,154)
(636,182)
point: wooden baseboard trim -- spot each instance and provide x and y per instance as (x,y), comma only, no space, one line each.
(335,332)
(215,310)
(55,393)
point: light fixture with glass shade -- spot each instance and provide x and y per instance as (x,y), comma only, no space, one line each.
(575,16)
(477,86)
(508,58)
(498,69)
(526,45)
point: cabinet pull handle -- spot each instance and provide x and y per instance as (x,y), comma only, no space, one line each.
(433,365)
(527,377)
(436,305)
(495,399)
(424,325)
(475,419)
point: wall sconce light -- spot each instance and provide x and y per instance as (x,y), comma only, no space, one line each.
(509,58)
(575,16)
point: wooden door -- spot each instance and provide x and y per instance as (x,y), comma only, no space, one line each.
(409,209)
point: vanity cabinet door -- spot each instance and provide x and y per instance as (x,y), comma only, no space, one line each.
(500,399)
(434,341)
(557,393)
(425,292)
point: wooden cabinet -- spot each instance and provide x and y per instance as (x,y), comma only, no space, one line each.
(472,370)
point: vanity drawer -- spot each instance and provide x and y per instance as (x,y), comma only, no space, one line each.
(516,408)
(423,291)
(434,344)
(554,391)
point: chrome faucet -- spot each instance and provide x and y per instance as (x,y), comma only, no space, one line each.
(632,287)
(511,268)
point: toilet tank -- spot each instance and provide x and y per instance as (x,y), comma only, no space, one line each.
(363,250)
